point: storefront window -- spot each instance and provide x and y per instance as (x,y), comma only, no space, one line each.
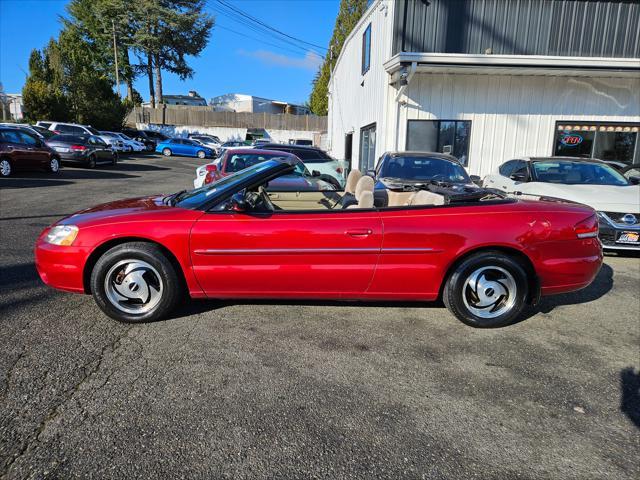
(617,142)
(444,136)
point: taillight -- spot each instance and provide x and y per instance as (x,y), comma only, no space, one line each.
(587,228)
(78,148)
(57,132)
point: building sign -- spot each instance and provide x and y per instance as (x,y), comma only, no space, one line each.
(571,140)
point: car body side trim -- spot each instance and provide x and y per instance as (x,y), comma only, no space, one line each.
(301,251)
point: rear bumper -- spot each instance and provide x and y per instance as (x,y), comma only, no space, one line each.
(569,266)
(61,267)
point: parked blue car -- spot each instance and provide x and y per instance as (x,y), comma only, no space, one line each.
(184,147)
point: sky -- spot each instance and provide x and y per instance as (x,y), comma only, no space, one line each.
(238,59)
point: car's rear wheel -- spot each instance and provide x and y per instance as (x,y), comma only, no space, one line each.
(135,282)
(114,160)
(91,162)
(166,152)
(54,165)
(5,167)
(487,289)
(201,154)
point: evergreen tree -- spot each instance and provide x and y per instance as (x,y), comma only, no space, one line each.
(350,12)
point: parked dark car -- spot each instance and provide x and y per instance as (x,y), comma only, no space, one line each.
(157,137)
(87,150)
(142,137)
(21,150)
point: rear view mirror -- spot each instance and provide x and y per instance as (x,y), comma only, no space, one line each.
(371,173)
(476,179)
(634,180)
(238,203)
(315,173)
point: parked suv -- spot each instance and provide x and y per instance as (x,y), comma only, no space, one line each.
(21,150)
(140,136)
(77,129)
(331,170)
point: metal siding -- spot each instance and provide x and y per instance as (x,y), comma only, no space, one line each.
(590,28)
(351,104)
(515,115)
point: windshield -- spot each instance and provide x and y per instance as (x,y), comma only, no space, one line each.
(576,173)
(240,161)
(195,197)
(425,169)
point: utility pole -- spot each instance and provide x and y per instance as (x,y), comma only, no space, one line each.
(115,56)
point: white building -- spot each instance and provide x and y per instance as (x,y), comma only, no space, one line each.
(193,99)
(239,102)
(12,107)
(489,80)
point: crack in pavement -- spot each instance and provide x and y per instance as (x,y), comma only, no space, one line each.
(68,396)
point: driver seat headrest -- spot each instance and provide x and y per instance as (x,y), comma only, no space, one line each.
(352,180)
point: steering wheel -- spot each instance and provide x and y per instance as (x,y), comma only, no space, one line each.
(259,201)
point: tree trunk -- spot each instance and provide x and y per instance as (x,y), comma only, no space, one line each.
(158,72)
(152,94)
(129,75)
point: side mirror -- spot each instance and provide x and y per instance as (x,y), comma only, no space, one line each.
(238,203)
(519,177)
(315,173)
(476,179)
(634,180)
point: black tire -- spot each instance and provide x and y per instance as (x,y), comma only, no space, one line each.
(114,160)
(91,162)
(505,293)
(5,167)
(150,275)
(331,180)
(166,152)
(54,165)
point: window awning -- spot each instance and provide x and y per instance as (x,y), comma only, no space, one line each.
(400,63)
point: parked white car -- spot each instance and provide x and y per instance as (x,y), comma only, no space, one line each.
(77,129)
(210,141)
(115,141)
(591,182)
(133,145)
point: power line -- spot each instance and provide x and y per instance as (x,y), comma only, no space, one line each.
(258,26)
(280,47)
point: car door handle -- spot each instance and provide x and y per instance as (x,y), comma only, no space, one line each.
(363,232)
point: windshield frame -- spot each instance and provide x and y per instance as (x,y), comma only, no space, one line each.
(383,165)
(212,193)
(608,168)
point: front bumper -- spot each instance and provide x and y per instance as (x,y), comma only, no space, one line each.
(610,232)
(61,267)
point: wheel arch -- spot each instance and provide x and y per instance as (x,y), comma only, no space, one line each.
(519,255)
(109,244)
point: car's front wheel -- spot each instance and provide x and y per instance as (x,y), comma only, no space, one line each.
(54,165)
(135,282)
(201,154)
(166,152)
(487,289)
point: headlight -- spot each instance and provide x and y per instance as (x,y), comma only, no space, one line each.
(62,235)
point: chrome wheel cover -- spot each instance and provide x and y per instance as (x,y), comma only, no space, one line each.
(201,154)
(489,292)
(55,166)
(133,286)
(166,152)
(5,168)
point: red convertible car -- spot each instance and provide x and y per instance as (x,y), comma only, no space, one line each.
(486,257)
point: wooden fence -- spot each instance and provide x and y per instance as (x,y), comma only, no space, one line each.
(205,117)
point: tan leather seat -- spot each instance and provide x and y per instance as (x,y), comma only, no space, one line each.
(424,197)
(364,193)
(352,181)
(398,199)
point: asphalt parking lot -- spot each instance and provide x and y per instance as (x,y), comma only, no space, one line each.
(283,390)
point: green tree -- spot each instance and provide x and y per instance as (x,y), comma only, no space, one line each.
(350,12)
(42,93)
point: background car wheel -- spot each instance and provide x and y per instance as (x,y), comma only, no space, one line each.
(487,290)
(91,163)
(166,152)
(135,282)
(201,154)
(5,167)
(54,165)
(114,160)
(331,180)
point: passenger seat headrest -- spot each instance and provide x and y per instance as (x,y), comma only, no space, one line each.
(352,181)
(366,199)
(365,184)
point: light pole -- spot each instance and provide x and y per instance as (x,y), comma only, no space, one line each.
(115,56)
